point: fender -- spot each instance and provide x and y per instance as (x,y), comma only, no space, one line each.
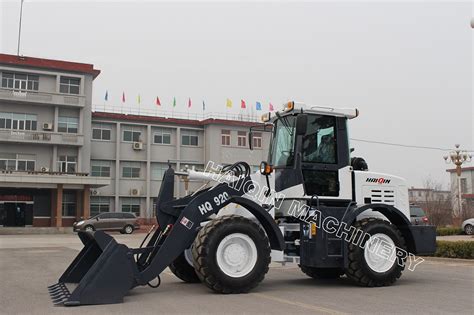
(268,223)
(390,212)
(420,239)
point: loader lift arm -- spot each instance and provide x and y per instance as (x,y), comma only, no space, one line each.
(105,270)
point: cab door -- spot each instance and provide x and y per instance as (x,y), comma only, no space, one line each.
(325,162)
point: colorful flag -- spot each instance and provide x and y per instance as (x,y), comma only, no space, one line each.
(174,101)
(259,106)
(189,102)
(106,95)
(158,101)
(242,104)
(203,105)
(123,97)
(229,103)
(270,107)
(138,99)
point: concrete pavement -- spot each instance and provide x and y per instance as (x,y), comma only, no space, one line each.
(29,263)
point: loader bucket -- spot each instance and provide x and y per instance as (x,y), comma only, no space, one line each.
(102,273)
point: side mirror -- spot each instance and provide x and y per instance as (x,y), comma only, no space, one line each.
(301,124)
(250,140)
(351,150)
(97,219)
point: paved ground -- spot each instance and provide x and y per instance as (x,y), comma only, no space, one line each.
(29,263)
(456,238)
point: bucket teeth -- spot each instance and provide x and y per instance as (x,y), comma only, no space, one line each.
(59,293)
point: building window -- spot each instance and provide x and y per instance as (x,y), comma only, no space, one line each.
(69,85)
(130,135)
(257,140)
(190,137)
(17,162)
(100,168)
(18,121)
(99,205)
(241,138)
(225,137)
(158,170)
(20,81)
(131,170)
(101,132)
(68,124)
(162,136)
(131,205)
(69,204)
(67,164)
(463,185)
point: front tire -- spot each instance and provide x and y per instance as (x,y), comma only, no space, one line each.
(368,263)
(128,229)
(322,273)
(231,254)
(468,229)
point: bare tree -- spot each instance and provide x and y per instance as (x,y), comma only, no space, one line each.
(437,205)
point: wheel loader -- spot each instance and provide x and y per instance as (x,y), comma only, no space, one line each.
(310,203)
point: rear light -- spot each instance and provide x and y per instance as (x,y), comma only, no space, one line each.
(425,219)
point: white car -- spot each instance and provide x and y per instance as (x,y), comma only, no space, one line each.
(468,226)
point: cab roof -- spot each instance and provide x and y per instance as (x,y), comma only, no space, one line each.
(299,107)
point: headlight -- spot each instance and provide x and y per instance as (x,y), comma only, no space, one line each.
(80,223)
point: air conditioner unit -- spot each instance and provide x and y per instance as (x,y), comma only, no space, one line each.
(138,146)
(94,192)
(48,126)
(44,169)
(135,192)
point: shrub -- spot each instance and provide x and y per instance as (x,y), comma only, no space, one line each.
(448,231)
(455,249)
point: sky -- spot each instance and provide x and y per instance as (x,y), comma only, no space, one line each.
(407,66)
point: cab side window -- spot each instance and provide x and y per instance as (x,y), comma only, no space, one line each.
(319,143)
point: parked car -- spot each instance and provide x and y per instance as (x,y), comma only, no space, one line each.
(468,226)
(124,222)
(418,215)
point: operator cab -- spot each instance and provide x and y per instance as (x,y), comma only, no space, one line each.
(309,151)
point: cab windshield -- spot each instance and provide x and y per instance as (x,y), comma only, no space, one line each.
(282,151)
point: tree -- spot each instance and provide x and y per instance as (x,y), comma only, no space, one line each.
(437,203)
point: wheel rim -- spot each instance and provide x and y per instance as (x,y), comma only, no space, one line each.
(379,252)
(469,229)
(236,255)
(128,229)
(89,229)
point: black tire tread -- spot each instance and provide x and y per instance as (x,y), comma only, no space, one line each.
(183,270)
(322,273)
(200,254)
(355,272)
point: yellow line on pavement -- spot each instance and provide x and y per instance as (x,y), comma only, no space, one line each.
(299,304)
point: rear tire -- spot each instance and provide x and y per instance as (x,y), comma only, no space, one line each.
(231,254)
(369,268)
(322,273)
(468,229)
(181,268)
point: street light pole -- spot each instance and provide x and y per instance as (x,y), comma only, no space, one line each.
(458,157)
(19,29)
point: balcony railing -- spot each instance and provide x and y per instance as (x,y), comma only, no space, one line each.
(42,97)
(248,117)
(31,136)
(41,173)
(39,179)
